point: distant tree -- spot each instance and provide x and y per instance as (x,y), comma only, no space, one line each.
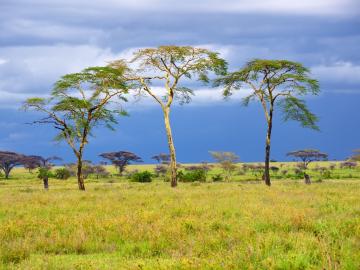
(227,161)
(356,155)
(9,160)
(80,102)
(275,83)
(307,156)
(121,159)
(43,164)
(100,171)
(348,164)
(169,65)
(162,158)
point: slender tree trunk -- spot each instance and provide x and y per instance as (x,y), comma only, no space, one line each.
(46,183)
(80,176)
(7,173)
(267,150)
(307,178)
(173,168)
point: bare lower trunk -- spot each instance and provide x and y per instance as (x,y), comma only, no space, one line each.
(173,168)
(80,176)
(6,174)
(267,152)
(46,183)
(307,179)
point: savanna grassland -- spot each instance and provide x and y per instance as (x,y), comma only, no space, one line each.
(118,224)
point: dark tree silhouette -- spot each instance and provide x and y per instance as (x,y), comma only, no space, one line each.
(121,159)
(356,155)
(9,160)
(307,156)
(162,158)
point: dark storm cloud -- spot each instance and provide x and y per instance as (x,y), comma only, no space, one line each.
(41,40)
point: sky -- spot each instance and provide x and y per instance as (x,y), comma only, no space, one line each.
(42,40)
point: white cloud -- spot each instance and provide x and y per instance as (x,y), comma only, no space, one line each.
(311,7)
(344,73)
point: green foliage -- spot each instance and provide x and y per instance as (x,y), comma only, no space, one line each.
(217,178)
(295,109)
(192,176)
(142,177)
(274,82)
(79,102)
(170,64)
(62,173)
(44,172)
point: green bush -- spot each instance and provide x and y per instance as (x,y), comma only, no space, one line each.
(142,177)
(62,173)
(44,172)
(192,176)
(217,178)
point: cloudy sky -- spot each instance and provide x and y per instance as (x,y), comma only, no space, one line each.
(42,40)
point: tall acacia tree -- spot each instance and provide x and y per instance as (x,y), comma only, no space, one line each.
(79,102)
(276,84)
(168,66)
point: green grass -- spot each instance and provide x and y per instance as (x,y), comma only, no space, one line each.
(116,224)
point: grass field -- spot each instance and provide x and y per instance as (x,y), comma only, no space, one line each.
(124,225)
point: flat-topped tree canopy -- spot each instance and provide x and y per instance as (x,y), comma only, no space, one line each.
(308,155)
(9,160)
(276,81)
(121,159)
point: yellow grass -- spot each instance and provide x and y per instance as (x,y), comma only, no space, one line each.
(125,225)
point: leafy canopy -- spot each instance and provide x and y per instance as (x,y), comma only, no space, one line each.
(169,64)
(308,155)
(275,82)
(79,102)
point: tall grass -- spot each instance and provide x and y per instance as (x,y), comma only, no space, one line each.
(126,225)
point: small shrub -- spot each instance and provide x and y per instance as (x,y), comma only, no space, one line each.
(192,176)
(326,174)
(142,177)
(217,178)
(62,173)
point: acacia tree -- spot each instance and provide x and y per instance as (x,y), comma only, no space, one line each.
(356,155)
(44,165)
(307,156)
(121,159)
(9,160)
(80,102)
(227,161)
(168,66)
(276,84)
(162,158)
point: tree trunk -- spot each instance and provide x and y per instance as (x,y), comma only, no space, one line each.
(267,151)
(6,172)
(173,168)
(307,179)
(46,183)
(80,176)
